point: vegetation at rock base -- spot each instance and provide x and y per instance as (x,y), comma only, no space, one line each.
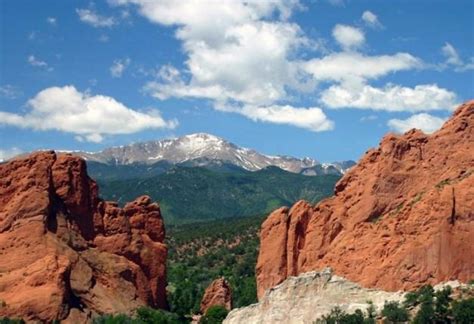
(200,253)
(393,312)
(424,306)
(192,194)
(214,315)
(6,320)
(338,316)
(144,315)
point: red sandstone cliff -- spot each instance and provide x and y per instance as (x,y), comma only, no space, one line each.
(404,216)
(218,293)
(66,254)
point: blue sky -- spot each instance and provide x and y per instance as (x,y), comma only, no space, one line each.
(324,79)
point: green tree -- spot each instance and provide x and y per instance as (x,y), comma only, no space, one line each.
(394,312)
(441,306)
(214,315)
(155,316)
(463,311)
(6,320)
(114,319)
(426,314)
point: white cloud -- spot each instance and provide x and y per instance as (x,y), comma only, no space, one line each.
(6,154)
(371,19)
(312,118)
(9,92)
(34,61)
(422,97)
(93,19)
(234,53)
(118,67)
(52,21)
(347,66)
(427,123)
(246,54)
(452,56)
(453,59)
(348,37)
(90,117)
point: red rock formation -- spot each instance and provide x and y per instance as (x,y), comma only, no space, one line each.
(403,217)
(66,254)
(217,293)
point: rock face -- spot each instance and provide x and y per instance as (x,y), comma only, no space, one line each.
(65,254)
(402,217)
(306,298)
(218,293)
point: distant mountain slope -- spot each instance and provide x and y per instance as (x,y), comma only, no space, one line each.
(195,194)
(202,150)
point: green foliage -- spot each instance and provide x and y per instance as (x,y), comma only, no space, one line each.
(149,315)
(440,185)
(6,320)
(145,315)
(199,253)
(416,199)
(338,316)
(214,315)
(114,319)
(463,311)
(441,305)
(394,312)
(190,194)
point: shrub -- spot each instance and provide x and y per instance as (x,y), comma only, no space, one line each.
(150,315)
(214,315)
(6,320)
(463,311)
(394,313)
(338,316)
(441,306)
(145,315)
(114,319)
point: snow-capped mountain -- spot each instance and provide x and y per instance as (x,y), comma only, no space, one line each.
(197,150)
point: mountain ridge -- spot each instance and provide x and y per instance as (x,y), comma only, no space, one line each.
(202,149)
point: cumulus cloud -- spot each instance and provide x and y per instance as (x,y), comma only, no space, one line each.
(371,19)
(423,97)
(118,67)
(427,123)
(454,60)
(89,117)
(6,154)
(348,37)
(246,54)
(312,118)
(90,17)
(347,66)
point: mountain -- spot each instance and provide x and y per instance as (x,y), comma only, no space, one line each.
(189,194)
(202,150)
(403,217)
(68,255)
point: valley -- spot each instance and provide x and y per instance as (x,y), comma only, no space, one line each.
(193,194)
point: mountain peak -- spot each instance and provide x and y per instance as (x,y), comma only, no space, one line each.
(202,149)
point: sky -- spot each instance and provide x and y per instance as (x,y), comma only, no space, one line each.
(324,79)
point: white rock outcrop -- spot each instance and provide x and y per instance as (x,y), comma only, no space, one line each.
(309,296)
